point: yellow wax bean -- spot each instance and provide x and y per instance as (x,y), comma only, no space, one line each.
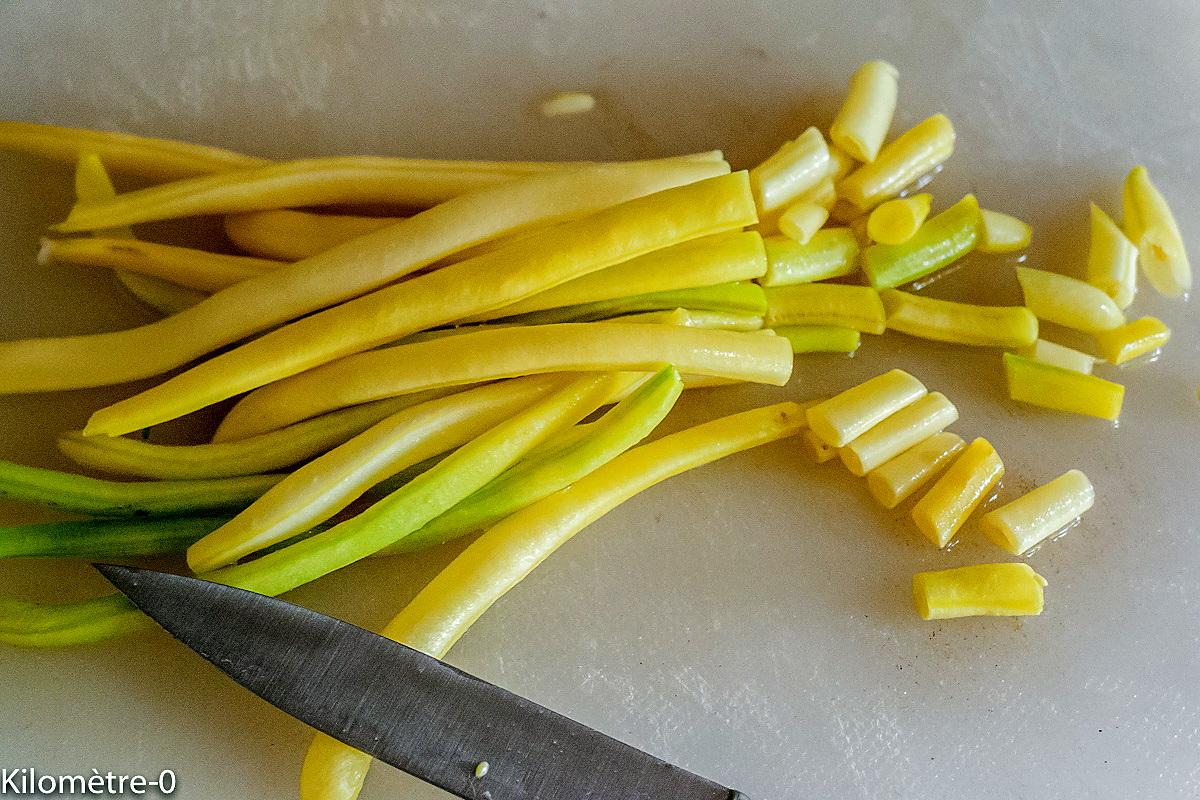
(958,492)
(690,318)
(1059,356)
(862,123)
(701,262)
(1067,301)
(499,559)
(1127,342)
(92,185)
(797,167)
(345,272)
(802,220)
(521,350)
(1112,260)
(900,163)
(330,482)
(1152,228)
(835,304)
(820,338)
(184,266)
(830,253)
(451,293)
(1040,513)
(270,452)
(1002,233)
(894,481)
(982,590)
(567,103)
(939,242)
(840,164)
(906,428)
(1061,389)
(897,221)
(824,194)
(846,416)
(291,235)
(960,323)
(156,159)
(816,449)
(337,180)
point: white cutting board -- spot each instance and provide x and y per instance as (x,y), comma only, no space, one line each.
(750,620)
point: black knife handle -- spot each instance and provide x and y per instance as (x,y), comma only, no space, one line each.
(734,794)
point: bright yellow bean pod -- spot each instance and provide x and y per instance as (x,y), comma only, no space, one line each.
(848,415)
(840,165)
(1068,301)
(521,350)
(349,270)
(959,323)
(1002,233)
(891,483)
(1040,513)
(913,154)
(800,221)
(330,482)
(824,194)
(939,242)
(862,123)
(499,559)
(691,318)
(982,590)
(1151,226)
(905,429)
(958,492)
(897,221)
(270,452)
(816,449)
(451,293)
(144,156)
(1142,336)
(701,262)
(92,184)
(1061,389)
(797,167)
(336,180)
(1059,356)
(1112,259)
(184,266)
(291,235)
(836,304)
(820,338)
(830,253)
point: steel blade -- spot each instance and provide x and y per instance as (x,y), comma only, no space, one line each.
(403,707)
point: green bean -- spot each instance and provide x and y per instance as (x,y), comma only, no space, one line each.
(83,495)
(105,538)
(430,494)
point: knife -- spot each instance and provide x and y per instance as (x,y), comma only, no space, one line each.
(402,706)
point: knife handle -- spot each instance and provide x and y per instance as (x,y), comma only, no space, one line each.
(734,794)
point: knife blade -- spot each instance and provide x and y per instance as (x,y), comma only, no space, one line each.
(402,706)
